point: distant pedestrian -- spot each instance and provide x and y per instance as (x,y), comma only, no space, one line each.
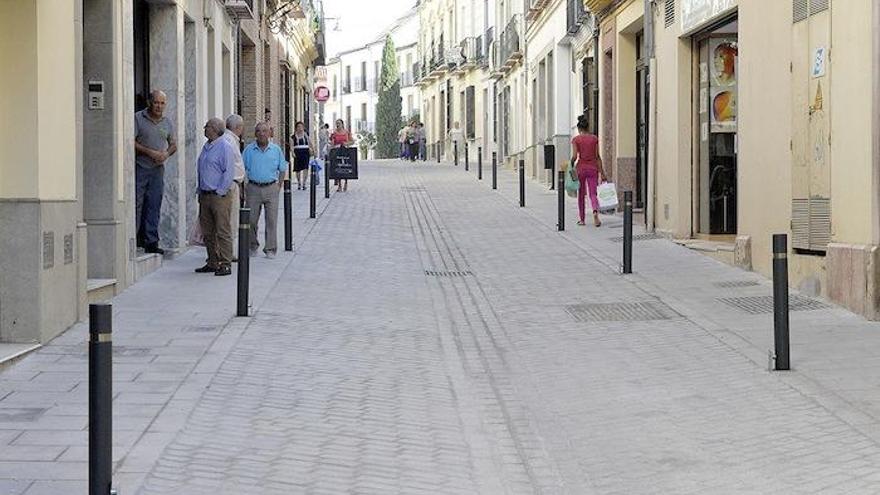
(456,137)
(267,118)
(154,143)
(412,140)
(216,171)
(303,151)
(585,153)
(423,142)
(340,138)
(401,139)
(266,170)
(323,141)
(234,131)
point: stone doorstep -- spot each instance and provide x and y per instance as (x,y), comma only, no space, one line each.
(10,353)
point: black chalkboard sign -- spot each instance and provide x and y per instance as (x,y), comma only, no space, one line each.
(343,163)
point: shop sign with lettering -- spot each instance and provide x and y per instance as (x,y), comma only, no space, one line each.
(696,13)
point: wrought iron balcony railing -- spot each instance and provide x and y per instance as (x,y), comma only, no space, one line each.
(576,15)
(239,9)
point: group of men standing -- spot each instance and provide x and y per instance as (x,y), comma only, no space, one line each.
(412,141)
(229,176)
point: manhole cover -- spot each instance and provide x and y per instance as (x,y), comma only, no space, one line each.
(131,351)
(757,305)
(20,415)
(432,273)
(200,329)
(639,237)
(736,284)
(638,311)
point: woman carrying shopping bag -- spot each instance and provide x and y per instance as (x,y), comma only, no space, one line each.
(585,153)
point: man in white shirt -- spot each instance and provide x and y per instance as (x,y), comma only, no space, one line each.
(456,137)
(234,130)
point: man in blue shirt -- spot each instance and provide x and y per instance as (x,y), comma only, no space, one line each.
(266,168)
(216,168)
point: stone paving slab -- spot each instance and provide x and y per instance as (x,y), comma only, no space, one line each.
(171,331)
(425,340)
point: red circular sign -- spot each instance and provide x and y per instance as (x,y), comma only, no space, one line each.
(322,93)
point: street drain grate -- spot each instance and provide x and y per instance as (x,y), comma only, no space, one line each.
(21,415)
(617,225)
(734,284)
(413,189)
(200,329)
(639,237)
(433,273)
(638,311)
(759,305)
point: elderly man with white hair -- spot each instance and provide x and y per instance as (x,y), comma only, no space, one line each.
(234,131)
(216,168)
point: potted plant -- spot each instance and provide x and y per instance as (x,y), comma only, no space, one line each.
(366,141)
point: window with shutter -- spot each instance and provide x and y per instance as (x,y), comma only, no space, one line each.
(670,12)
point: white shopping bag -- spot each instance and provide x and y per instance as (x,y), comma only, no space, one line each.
(607,193)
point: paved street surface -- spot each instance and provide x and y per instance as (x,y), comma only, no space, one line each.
(430,336)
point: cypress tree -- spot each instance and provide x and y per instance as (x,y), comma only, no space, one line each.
(389,108)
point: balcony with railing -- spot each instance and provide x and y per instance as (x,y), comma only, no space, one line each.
(239,9)
(486,46)
(533,8)
(362,126)
(576,16)
(468,54)
(406,79)
(346,88)
(438,62)
(509,45)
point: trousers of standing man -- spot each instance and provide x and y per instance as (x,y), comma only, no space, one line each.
(149,189)
(214,214)
(265,196)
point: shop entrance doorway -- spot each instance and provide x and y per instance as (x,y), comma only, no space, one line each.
(716,97)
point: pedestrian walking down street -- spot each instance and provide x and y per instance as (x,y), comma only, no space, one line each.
(401,138)
(154,143)
(301,144)
(412,140)
(266,170)
(585,153)
(423,142)
(341,137)
(216,169)
(456,137)
(234,130)
(323,141)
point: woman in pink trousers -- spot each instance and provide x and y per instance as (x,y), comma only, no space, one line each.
(585,152)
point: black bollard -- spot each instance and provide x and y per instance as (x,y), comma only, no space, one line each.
(780,302)
(313,193)
(522,183)
(437,149)
(479,163)
(326,181)
(560,198)
(466,157)
(244,261)
(494,170)
(627,232)
(100,399)
(550,163)
(455,152)
(288,218)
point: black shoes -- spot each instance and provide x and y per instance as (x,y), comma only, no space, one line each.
(206,269)
(223,271)
(154,249)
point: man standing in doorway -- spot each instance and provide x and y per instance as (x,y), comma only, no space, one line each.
(234,130)
(154,143)
(216,169)
(266,169)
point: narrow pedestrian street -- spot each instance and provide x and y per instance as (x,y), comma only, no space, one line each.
(429,336)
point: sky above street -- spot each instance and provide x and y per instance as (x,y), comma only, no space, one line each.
(360,21)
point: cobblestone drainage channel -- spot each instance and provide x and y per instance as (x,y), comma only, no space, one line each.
(434,273)
(624,311)
(735,284)
(758,305)
(639,237)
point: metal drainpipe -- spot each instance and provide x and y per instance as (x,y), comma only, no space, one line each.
(651,204)
(238,66)
(596,90)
